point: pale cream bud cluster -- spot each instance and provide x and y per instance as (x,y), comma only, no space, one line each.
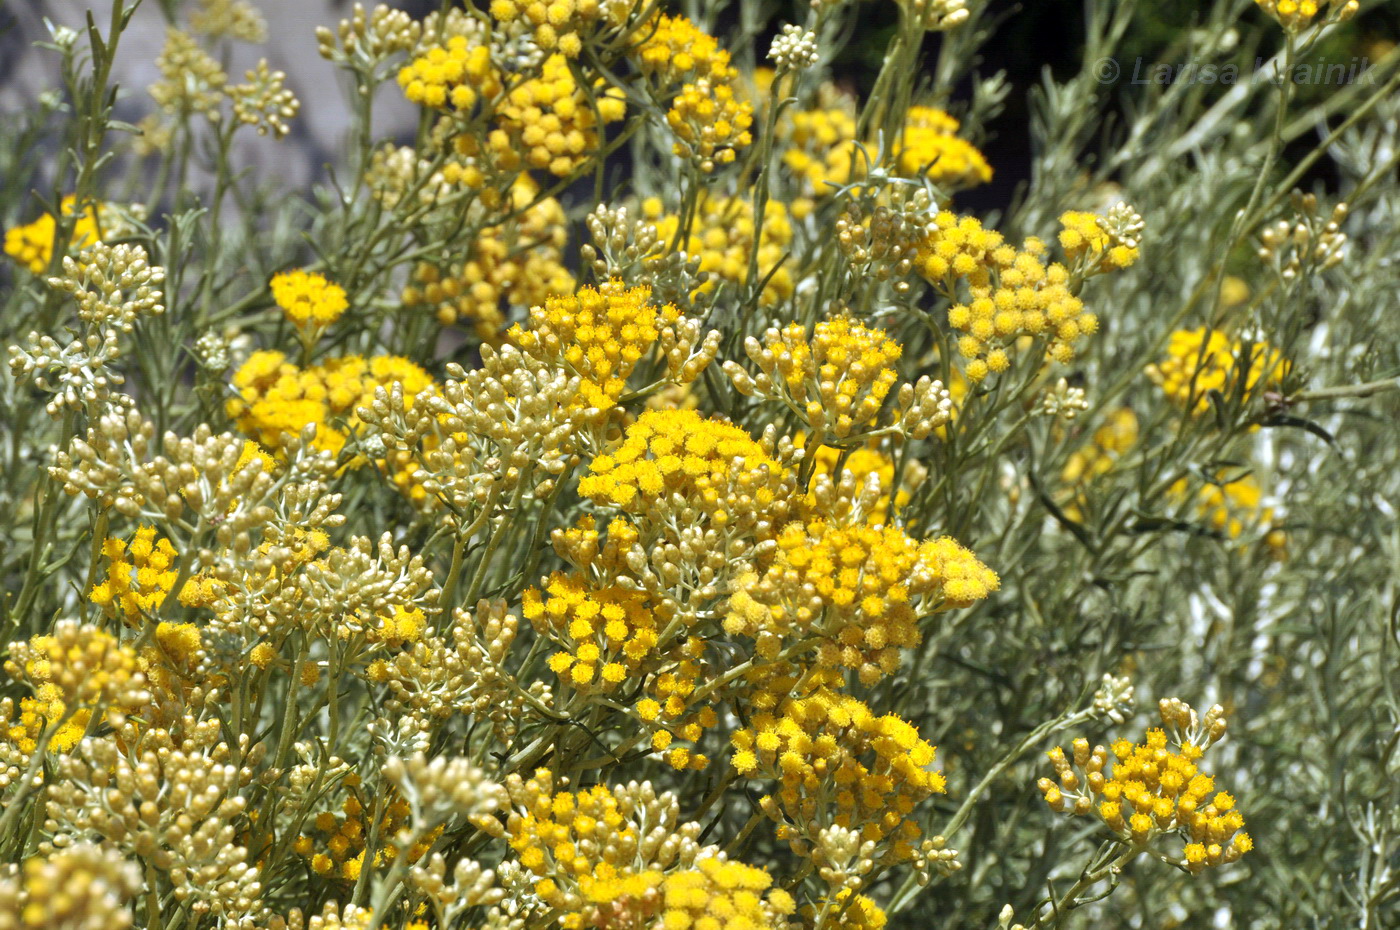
(200,476)
(236,19)
(191,81)
(213,352)
(395,172)
(442,789)
(842,859)
(113,286)
(83,887)
(507,425)
(1114,697)
(174,803)
(794,49)
(1309,244)
(89,667)
(369,37)
(265,102)
(932,856)
(352,590)
(923,407)
(472,886)
(632,249)
(937,15)
(1064,401)
(1184,727)
(1123,225)
(435,679)
(847,500)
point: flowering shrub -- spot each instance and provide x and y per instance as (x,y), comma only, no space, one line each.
(648,492)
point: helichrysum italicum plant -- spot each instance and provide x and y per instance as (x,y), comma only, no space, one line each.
(648,494)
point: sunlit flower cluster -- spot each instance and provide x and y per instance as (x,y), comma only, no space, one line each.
(516,264)
(139,575)
(308,299)
(1204,361)
(838,763)
(723,238)
(31,245)
(1013,293)
(859,588)
(276,397)
(838,379)
(1297,15)
(601,334)
(823,149)
(457,74)
(1155,788)
(551,121)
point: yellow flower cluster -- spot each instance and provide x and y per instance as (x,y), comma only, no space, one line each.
(860,913)
(31,245)
(711,124)
(551,121)
(456,74)
(276,396)
(1096,458)
(822,150)
(612,629)
(723,239)
(930,146)
(341,837)
(519,263)
(829,748)
(838,379)
(1232,508)
(595,859)
(1203,360)
(308,299)
(1297,15)
(139,576)
(599,333)
(556,24)
(857,587)
(172,660)
(723,895)
(675,49)
(1014,293)
(546,838)
(821,147)
(709,116)
(47,707)
(1150,791)
(679,452)
(79,667)
(1084,239)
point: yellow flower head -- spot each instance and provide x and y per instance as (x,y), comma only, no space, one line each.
(858,587)
(599,333)
(838,764)
(31,245)
(1203,360)
(454,75)
(308,299)
(1149,790)
(139,576)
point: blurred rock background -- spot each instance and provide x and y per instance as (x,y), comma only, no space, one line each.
(317,133)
